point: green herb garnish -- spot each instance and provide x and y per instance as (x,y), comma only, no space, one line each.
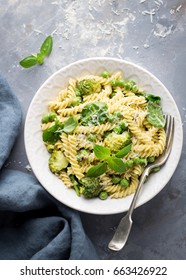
(116,164)
(94,113)
(52,134)
(155,115)
(70,125)
(97,170)
(113,162)
(123,152)
(101,152)
(33,59)
(152,98)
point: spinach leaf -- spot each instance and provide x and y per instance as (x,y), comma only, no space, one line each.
(152,97)
(94,113)
(70,125)
(52,134)
(155,114)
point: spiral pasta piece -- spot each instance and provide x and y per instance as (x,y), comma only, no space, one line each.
(73,157)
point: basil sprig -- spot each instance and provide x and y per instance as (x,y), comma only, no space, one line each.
(39,58)
(52,134)
(97,170)
(113,162)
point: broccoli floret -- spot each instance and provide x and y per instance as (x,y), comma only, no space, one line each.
(116,141)
(88,86)
(90,187)
(57,161)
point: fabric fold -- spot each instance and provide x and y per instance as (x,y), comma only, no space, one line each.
(33,225)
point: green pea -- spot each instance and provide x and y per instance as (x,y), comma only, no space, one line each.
(121,82)
(114,83)
(91,137)
(118,114)
(52,117)
(112,94)
(45,119)
(143,161)
(123,125)
(105,74)
(131,82)
(151,159)
(124,183)
(103,195)
(111,118)
(116,180)
(48,118)
(117,129)
(76,101)
(129,163)
(135,89)
(128,86)
(136,160)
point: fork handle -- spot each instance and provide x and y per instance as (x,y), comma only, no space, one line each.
(136,194)
(121,234)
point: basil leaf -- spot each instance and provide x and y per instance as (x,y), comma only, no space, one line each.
(101,152)
(152,98)
(70,125)
(116,164)
(46,47)
(28,61)
(40,58)
(97,170)
(52,134)
(155,115)
(123,152)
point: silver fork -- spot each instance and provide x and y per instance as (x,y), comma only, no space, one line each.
(121,235)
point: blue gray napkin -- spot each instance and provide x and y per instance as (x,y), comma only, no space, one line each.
(33,225)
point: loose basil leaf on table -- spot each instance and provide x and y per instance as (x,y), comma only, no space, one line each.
(28,61)
(45,50)
(46,47)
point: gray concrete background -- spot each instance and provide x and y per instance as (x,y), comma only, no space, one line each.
(148,33)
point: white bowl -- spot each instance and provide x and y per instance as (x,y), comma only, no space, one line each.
(38,155)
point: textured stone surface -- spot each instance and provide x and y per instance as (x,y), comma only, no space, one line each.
(151,34)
